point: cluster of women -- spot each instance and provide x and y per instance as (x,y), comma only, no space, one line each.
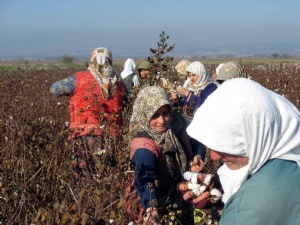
(252,130)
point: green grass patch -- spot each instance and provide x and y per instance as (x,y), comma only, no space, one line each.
(8,67)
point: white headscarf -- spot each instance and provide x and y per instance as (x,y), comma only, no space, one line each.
(129,68)
(245,119)
(204,79)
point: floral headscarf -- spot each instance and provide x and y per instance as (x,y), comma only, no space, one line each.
(148,101)
(181,66)
(101,68)
(243,118)
(204,79)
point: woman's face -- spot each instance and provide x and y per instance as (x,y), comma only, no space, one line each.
(144,73)
(193,78)
(233,162)
(161,119)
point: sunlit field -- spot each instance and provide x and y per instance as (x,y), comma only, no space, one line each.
(34,173)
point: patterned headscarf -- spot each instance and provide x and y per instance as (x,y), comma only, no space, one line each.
(204,79)
(148,101)
(101,68)
(231,70)
(181,66)
(243,118)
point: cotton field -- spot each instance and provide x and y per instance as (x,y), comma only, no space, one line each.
(34,150)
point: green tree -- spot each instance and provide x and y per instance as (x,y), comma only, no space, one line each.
(67,59)
(275,55)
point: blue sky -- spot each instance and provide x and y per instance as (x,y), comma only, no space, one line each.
(52,28)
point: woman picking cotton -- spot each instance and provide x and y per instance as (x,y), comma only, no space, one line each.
(198,87)
(255,132)
(160,153)
(182,77)
(196,91)
(96,103)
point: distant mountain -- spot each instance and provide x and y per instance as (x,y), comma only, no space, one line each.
(53,47)
(248,50)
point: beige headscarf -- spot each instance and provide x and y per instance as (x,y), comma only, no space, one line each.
(231,70)
(219,67)
(181,66)
(101,68)
(244,118)
(204,79)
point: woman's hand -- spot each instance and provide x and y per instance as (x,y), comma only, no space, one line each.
(188,195)
(182,91)
(197,164)
(174,96)
(151,217)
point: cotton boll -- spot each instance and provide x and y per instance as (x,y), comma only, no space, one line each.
(209,221)
(216,192)
(187,175)
(195,188)
(194,178)
(191,176)
(192,186)
(215,195)
(207,179)
(202,188)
